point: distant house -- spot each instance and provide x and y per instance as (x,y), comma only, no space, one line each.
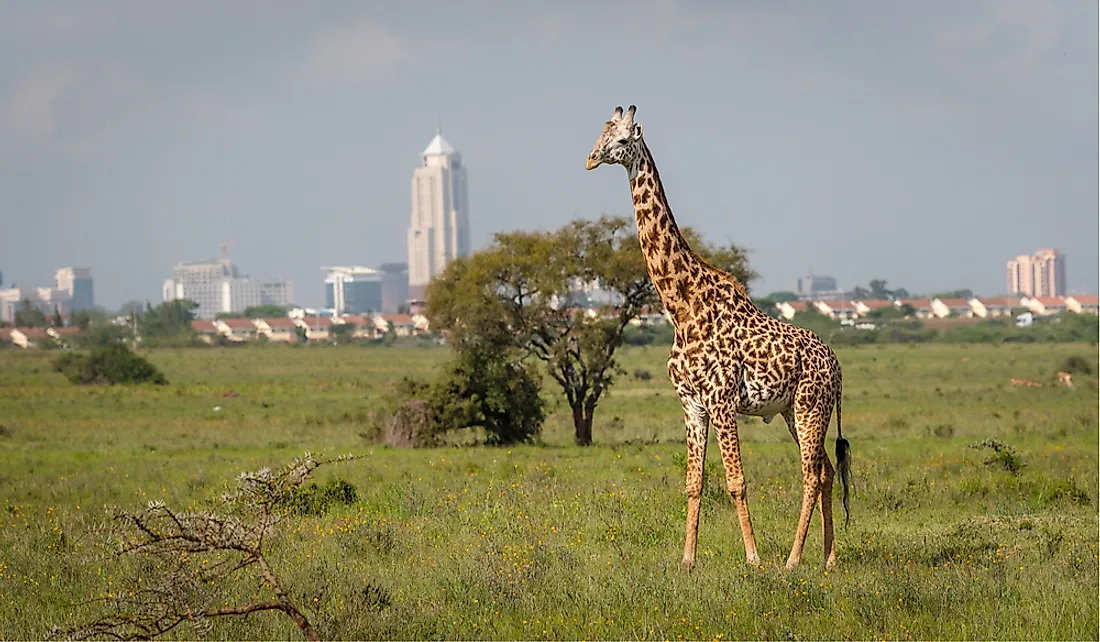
(1044,305)
(317,327)
(863,308)
(923,307)
(277,328)
(364,325)
(787,309)
(27,337)
(1083,304)
(206,330)
(951,307)
(837,309)
(403,324)
(236,329)
(999,306)
(63,335)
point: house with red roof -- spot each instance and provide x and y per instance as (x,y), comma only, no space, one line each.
(277,328)
(952,307)
(236,329)
(1044,305)
(846,309)
(787,309)
(997,306)
(1083,304)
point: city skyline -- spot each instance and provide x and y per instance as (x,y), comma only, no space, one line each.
(857,141)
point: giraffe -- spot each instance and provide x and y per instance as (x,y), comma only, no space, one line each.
(729,358)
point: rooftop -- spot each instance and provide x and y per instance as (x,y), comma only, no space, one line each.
(438,146)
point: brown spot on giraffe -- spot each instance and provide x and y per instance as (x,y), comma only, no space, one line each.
(729,358)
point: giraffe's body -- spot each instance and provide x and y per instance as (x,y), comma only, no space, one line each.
(728,357)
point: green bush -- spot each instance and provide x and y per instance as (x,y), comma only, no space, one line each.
(482,387)
(316,500)
(109,364)
(1076,364)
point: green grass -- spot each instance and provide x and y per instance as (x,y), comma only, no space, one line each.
(555,541)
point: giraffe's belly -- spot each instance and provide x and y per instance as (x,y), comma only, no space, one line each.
(763,398)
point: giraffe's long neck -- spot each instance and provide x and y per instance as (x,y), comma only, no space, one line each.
(669,260)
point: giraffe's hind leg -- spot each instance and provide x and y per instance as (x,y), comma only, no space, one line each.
(812,410)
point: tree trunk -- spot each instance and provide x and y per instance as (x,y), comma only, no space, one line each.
(582,426)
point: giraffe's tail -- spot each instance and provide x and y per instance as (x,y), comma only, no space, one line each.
(843,458)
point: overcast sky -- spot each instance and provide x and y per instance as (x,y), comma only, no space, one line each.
(921,142)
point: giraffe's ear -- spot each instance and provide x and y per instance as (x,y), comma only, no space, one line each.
(636,133)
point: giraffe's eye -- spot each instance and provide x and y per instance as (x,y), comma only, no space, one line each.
(621,141)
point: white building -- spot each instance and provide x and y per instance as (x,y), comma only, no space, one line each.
(353,289)
(77,282)
(440,226)
(46,300)
(218,287)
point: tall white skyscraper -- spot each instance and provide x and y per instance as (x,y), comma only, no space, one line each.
(440,227)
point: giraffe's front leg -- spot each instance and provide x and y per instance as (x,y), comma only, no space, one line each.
(695,419)
(725,428)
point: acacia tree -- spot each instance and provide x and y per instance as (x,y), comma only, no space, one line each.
(525,292)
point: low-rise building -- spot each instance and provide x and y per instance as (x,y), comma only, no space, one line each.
(1045,305)
(236,329)
(282,329)
(787,309)
(841,309)
(1083,304)
(865,307)
(952,307)
(997,306)
(922,307)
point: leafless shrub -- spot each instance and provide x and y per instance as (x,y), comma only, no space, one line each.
(174,548)
(411,426)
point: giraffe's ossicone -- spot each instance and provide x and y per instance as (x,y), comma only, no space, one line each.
(729,358)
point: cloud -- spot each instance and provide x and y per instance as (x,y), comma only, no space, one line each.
(364,52)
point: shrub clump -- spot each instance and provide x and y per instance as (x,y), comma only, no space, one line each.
(109,364)
(484,386)
(1076,364)
(1004,456)
(316,500)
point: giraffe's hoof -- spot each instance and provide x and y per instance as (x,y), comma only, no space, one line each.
(790,564)
(830,564)
(752,560)
(687,564)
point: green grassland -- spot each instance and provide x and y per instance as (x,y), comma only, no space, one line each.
(555,541)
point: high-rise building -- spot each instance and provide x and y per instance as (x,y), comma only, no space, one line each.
(217,286)
(1039,274)
(78,283)
(811,286)
(440,227)
(395,286)
(353,289)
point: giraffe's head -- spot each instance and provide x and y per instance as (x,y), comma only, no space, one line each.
(620,142)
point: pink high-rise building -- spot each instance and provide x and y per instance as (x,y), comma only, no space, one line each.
(1037,275)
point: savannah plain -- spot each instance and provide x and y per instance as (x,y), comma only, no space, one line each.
(554,541)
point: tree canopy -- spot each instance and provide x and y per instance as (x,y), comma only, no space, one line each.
(534,291)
